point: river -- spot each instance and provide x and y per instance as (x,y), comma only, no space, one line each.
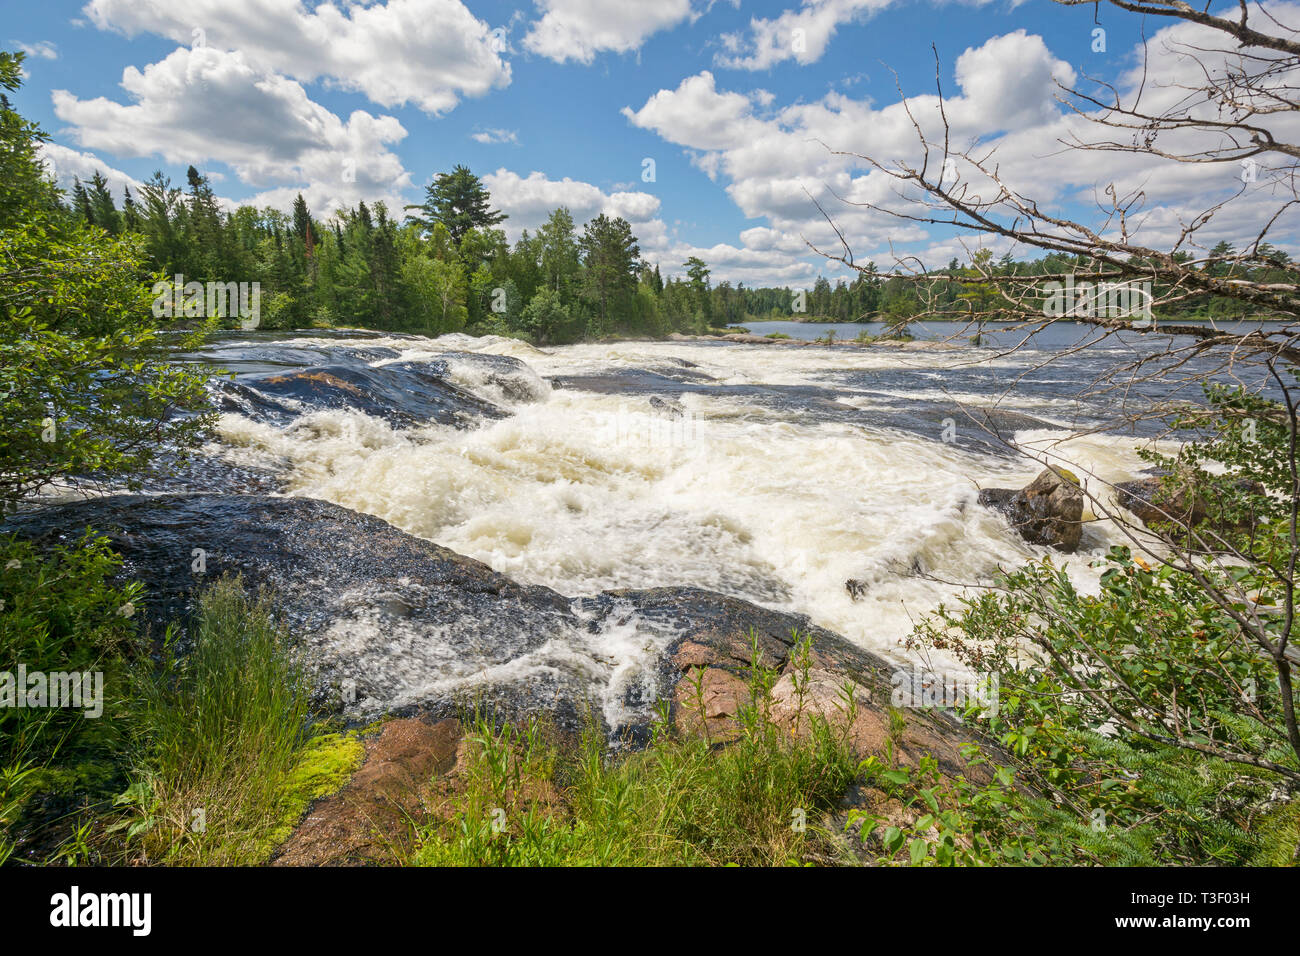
(772,473)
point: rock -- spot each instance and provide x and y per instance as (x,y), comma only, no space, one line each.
(1047,511)
(401,393)
(667,407)
(371,816)
(386,622)
(714,649)
(1146,499)
(1155,503)
(393,625)
(706,700)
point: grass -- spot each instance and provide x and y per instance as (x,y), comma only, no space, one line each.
(531,799)
(222,762)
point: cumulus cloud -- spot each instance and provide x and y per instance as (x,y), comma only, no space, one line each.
(579,29)
(529,200)
(204,105)
(426,52)
(801,35)
(697,115)
(780,162)
(67,165)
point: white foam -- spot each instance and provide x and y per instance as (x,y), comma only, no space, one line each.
(586,491)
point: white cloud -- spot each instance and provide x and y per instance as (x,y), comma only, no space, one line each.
(43,50)
(529,200)
(1004,80)
(496,136)
(801,35)
(426,52)
(579,29)
(697,115)
(67,165)
(775,160)
(204,105)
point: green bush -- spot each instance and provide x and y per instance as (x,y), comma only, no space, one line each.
(59,612)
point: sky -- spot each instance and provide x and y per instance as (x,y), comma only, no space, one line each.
(710,126)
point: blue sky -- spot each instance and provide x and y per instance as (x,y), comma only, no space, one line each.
(563,101)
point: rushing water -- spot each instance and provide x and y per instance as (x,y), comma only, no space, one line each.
(772,473)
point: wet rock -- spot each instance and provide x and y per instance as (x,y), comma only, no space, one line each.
(504,375)
(708,665)
(1048,511)
(387,622)
(390,624)
(666,407)
(401,393)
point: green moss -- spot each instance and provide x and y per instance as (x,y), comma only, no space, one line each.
(325,764)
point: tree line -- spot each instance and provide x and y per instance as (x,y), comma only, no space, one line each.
(445,266)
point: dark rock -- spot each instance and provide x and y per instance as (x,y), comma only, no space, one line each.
(666,407)
(388,623)
(402,393)
(391,624)
(1047,511)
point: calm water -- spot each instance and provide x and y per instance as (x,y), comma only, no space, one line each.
(1058,335)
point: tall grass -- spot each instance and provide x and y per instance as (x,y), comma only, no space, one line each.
(530,799)
(220,729)
(59,612)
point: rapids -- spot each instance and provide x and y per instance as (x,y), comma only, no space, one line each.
(769,473)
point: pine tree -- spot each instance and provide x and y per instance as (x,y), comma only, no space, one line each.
(610,257)
(103,210)
(459,201)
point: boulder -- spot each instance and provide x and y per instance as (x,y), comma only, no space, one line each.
(1048,511)
(1157,503)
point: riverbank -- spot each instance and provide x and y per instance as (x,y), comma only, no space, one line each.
(751,339)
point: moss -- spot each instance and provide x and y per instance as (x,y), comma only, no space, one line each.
(1068,475)
(325,764)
